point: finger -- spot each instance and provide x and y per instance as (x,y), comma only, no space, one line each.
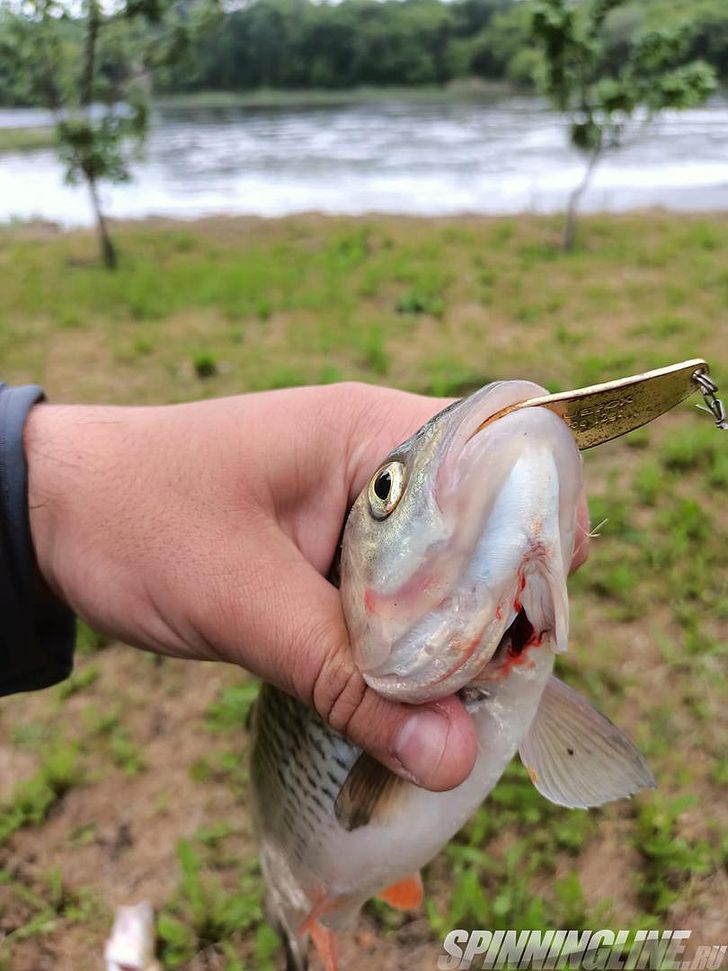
(290,630)
(433,744)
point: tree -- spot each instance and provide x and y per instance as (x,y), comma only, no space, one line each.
(90,64)
(599,102)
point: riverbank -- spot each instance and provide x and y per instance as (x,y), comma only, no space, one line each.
(457,92)
(227,305)
(26,139)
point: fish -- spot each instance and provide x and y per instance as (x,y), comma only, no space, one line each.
(452,576)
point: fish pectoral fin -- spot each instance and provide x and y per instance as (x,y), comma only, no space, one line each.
(405,894)
(578,758)
(370,794)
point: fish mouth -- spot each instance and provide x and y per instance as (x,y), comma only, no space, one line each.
(513,645)
(539,615)
(515,638)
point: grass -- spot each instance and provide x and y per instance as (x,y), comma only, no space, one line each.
(437,306)
(26,139)
(46,907)
(669,859)
(203,915)
(231,710)
(32,799)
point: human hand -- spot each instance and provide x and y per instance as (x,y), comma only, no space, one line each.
(206,530)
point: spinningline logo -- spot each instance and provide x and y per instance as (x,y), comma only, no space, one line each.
(603,950)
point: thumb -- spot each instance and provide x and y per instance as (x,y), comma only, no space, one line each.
(432,744)
(303,648)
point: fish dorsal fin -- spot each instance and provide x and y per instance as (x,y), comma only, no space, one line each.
(576,757)
(370,794)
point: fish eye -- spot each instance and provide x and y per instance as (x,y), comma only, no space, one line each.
(385,489)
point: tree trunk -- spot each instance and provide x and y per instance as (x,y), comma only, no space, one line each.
(108,250)
(88,75)
(575,198)
(89,65)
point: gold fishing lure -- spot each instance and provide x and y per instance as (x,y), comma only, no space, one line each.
(601,412)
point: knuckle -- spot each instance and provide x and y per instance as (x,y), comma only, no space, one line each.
(338,692)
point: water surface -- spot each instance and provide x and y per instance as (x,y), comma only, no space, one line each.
(508,156)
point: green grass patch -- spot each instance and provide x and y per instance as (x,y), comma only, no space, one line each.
(670,859)
(26,139)
(32,800)
(80,680)
(89,641)
(231,709)
(106,732)
(46,904)
(203,915)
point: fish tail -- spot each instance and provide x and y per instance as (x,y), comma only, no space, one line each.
(295,945)
(296,950)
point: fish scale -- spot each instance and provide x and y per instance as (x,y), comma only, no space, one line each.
(298,767)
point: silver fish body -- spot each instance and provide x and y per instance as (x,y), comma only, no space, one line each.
(300,766)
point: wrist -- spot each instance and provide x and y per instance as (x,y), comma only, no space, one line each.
(50,459)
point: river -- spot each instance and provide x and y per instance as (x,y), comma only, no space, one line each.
(505,156)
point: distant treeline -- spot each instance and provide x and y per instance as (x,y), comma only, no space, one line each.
(298,44)
(302,44)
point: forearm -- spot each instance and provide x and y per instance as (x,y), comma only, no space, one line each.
(75,470)
(107,492)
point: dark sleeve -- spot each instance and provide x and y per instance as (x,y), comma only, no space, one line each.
(37,633)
